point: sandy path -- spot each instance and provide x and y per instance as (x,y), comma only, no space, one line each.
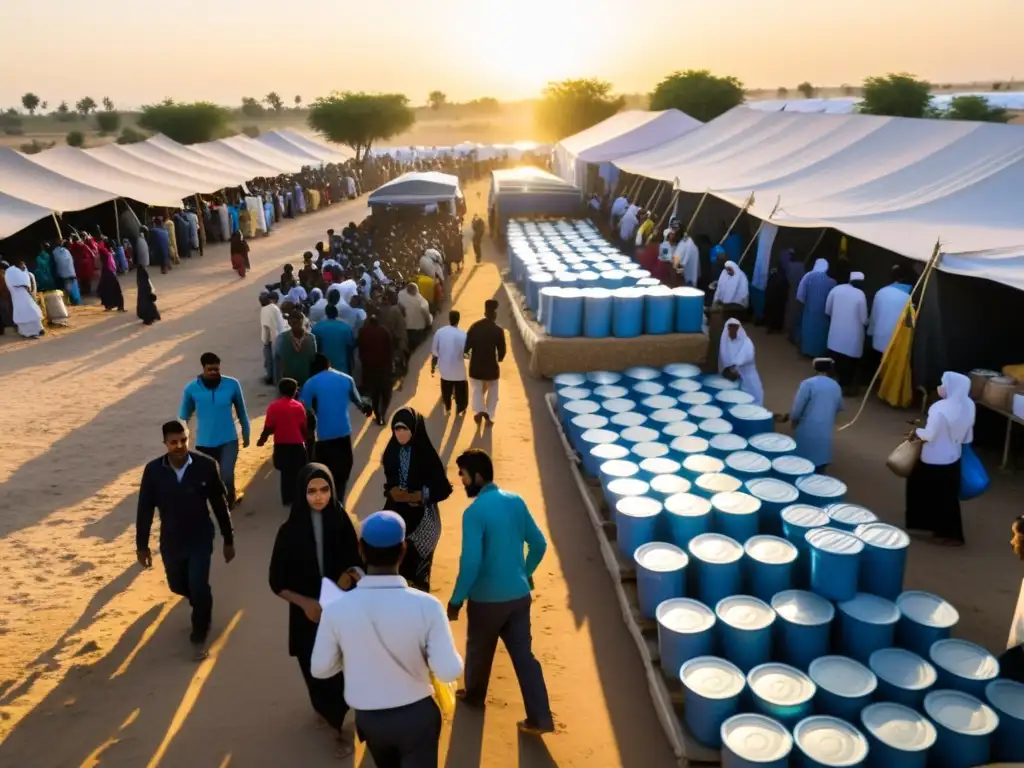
(94,650)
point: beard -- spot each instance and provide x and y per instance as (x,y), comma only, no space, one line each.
(473,490)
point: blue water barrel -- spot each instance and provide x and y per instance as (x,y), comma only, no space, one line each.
(659,310)
(648,282)
(803,628)
(715,560)
(898,737)
(616,406)
(797,520)
(688,516)
(713,688)
(611,392)
(773,445)
(588,280)
(712,483)
(567,314)
(581,423)
(700,464)
(716,382)
(634,273)
(820,490)
(627,313)
(663,486)
(745,630)
(1006,697)
(669,416)
(755,741)
(569,380)
(963,666)
(640,373)
(750,420)
(791,468)
(617,468)
(643,451)
(867,623)
(682,428)
(699,413)
(565,394)
(845,686)
(721,446)
(660,575)
(534,282)
(847,517)
(547,297)
(747,465)
(604,378)
(646,388)
(657,403)
(685,631)
(627,420)
(674,371)
(884,560)
(727,398)
(735,515)
(964,727)
(782,692)
(696,397)
(829,742)
(924,619)
(768,566)
(636,522)
(903,677)
(588,440)
(638,434)
(621,487)
(567,279)
(602,452)
(689,310)
(579,408)
(654,467)
(686,387)
(708,428)
(835,562)
(775,496)
(597,313)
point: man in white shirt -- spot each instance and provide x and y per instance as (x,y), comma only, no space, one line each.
(449,354)
(391,638)
(628,225)
(686,257)
(417,314)
(432,265)
(271,324)
(848,307)
(618,209)
(887,310)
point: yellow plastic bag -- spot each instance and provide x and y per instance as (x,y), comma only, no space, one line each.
(444,697)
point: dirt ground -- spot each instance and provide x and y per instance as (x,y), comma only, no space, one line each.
(94,653)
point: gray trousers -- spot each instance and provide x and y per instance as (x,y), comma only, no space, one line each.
(509,621)
(402,737)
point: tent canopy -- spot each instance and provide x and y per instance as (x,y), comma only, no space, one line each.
(288,140)
(898,183)
(528,191)
(28,181)
(419,188)
(166,152)
(146,165)
(17,214)
(237,157)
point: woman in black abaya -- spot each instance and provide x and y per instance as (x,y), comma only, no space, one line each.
(109,290)
(317,541)
(145,302)
(415,482)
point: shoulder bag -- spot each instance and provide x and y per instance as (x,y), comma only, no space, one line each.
(904,458)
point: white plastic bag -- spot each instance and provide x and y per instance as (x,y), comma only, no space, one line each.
(1017,624)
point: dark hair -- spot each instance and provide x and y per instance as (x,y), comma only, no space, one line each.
(176,427)
(490,307)
(333,298)
(476,462)
(383,557)
(454,317)
(288,387)
(320,363)
(208,358)
(331,310)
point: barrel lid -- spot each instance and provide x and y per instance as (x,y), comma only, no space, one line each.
(628,419)
(689,444)
(703,464)
(793,466)
(618,404)
(647,388)
(834,541)
(771,490)
(772,442)
(627,486)
(770,549)
(638,506)
(702,412)
(619,468)
(537,276)
(610,392)
(898,726)
(960,712)
(658,402)
(587,421)
(649,450)
(714,426)
(734,397)
(627,294)
(580,407)
(681,370)
(573,393)
(670,416)
(640,434)
(604,378)
(718,482)
(850,514)
(599,436)
(1006,697)
(599,294)
(927,609)
(715,548)
(661,557)
(688,291)
(659,465)
(712,677)
(641,372)
(684,615)
(687,505)
(748,462)
(842,676)
(781,684)
(609,451)
(882,536)
(750,412)
(902,668)
(870,609)
(805,608)
(684,386)
(830,741)
(964,659)
(735,503)
(745,612)
(552,290)
(756,738)
(728,442)
(570,379)
(694,398)
(822,486)
(714,381)
(805,516)
(669,484)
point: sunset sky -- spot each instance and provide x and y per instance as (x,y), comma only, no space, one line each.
(66,49)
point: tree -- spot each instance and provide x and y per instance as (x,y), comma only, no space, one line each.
(44,105)
(251,107)
(437,99)
(35,146)
(807,90)
(274,101)
(76,139)
(698,93)
(357,120)
(30,102)
(485,106)
(782,92)
(896,95)
(130,136)
(10,121)
(571,106)
(298,102)
(252,131)
(108,122)
(186,123)
(108,105)
(64,113)
(848,90)
(85,106)
(976,108)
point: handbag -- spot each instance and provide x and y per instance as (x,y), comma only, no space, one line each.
(974,480)
(904,458)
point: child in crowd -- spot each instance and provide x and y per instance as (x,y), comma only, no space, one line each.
(286,421)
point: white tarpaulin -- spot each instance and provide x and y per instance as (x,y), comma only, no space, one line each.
(33,183)
(235,157)
(417,189)
(274,140)
(325,152)
(162,151)
(621,134)
(17,214)
(897,183)
(122,158)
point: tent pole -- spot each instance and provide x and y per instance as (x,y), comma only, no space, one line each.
(657,191)
(653,205)
(750,202)
(664,216)
(117,222)
(202,223)
(56,223)
(693,219)
(758,232)
(814,249)
(636,187)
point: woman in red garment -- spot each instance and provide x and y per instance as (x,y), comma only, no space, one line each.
(239,253)
(85,263)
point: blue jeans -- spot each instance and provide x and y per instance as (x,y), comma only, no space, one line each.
(188,575)
(226,456)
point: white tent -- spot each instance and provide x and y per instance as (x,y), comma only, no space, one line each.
(148,166)
(276,141)
(417,189)
(164,152)
(237,157)
(897,183)
(285,138)
(621,134)
(17,214)
(25,180)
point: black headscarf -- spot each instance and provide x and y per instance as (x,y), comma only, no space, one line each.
(293,564)
(109,289)
(145,301)
(426,470)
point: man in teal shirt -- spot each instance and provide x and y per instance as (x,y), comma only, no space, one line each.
(497,577)
(336,340)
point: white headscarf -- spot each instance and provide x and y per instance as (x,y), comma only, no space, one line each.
(379,274)
(956,406)
(734,288)
(821,265)
(732,350)
(856,277)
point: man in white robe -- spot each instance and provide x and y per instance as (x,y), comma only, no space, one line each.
(847,306)
(687,260)
(618,209)
(627,227)
(27,315)
(736,360)
(887,310)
